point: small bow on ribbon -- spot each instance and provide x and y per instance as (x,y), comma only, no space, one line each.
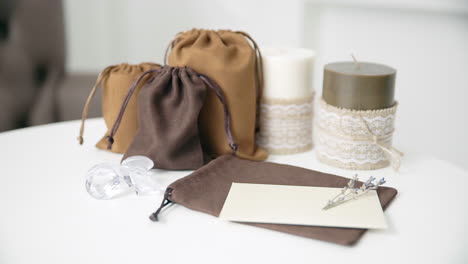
(393,154)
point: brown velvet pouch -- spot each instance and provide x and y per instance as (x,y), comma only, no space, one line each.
(115,82)
(229,59)
(168,108)
(206,189)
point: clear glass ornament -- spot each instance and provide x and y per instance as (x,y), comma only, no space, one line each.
(138,161)
(106,181)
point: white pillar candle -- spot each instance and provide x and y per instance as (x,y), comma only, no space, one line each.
(287,73)
(286,107)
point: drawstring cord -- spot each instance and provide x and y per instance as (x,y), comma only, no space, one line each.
(170,46)
(227,117)
(258,63)
(84,115)
(110,138)
(258,77)
(154,216)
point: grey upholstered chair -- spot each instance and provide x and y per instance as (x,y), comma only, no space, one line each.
(34,85)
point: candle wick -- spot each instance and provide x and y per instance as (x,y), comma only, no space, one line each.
(356,63)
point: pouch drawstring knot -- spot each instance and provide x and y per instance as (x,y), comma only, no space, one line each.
(154,216)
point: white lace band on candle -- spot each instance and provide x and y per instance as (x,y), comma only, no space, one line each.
(356,139)
(286,125)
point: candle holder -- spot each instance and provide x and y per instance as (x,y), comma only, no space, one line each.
(286,125)
(356,139)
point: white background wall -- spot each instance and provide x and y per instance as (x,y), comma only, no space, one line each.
(426,41)
(112,31)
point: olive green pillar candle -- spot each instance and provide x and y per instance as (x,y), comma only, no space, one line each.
(359,85)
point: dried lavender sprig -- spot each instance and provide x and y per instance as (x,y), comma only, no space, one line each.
(340,198)
(336,203)
(351,182)
(349,190)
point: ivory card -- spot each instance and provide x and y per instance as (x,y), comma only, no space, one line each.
(300,205)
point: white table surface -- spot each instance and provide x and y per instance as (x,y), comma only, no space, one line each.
(46,215)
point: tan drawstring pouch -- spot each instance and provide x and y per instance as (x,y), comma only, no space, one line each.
(116,81)
(235,64)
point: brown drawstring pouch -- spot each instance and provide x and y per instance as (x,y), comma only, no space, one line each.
(115,81)
(206,189)
(168,108)
(230,60)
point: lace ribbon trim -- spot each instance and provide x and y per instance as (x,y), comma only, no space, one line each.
(286,125)
(356,139)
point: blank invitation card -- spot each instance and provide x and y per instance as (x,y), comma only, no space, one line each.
(300,205)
